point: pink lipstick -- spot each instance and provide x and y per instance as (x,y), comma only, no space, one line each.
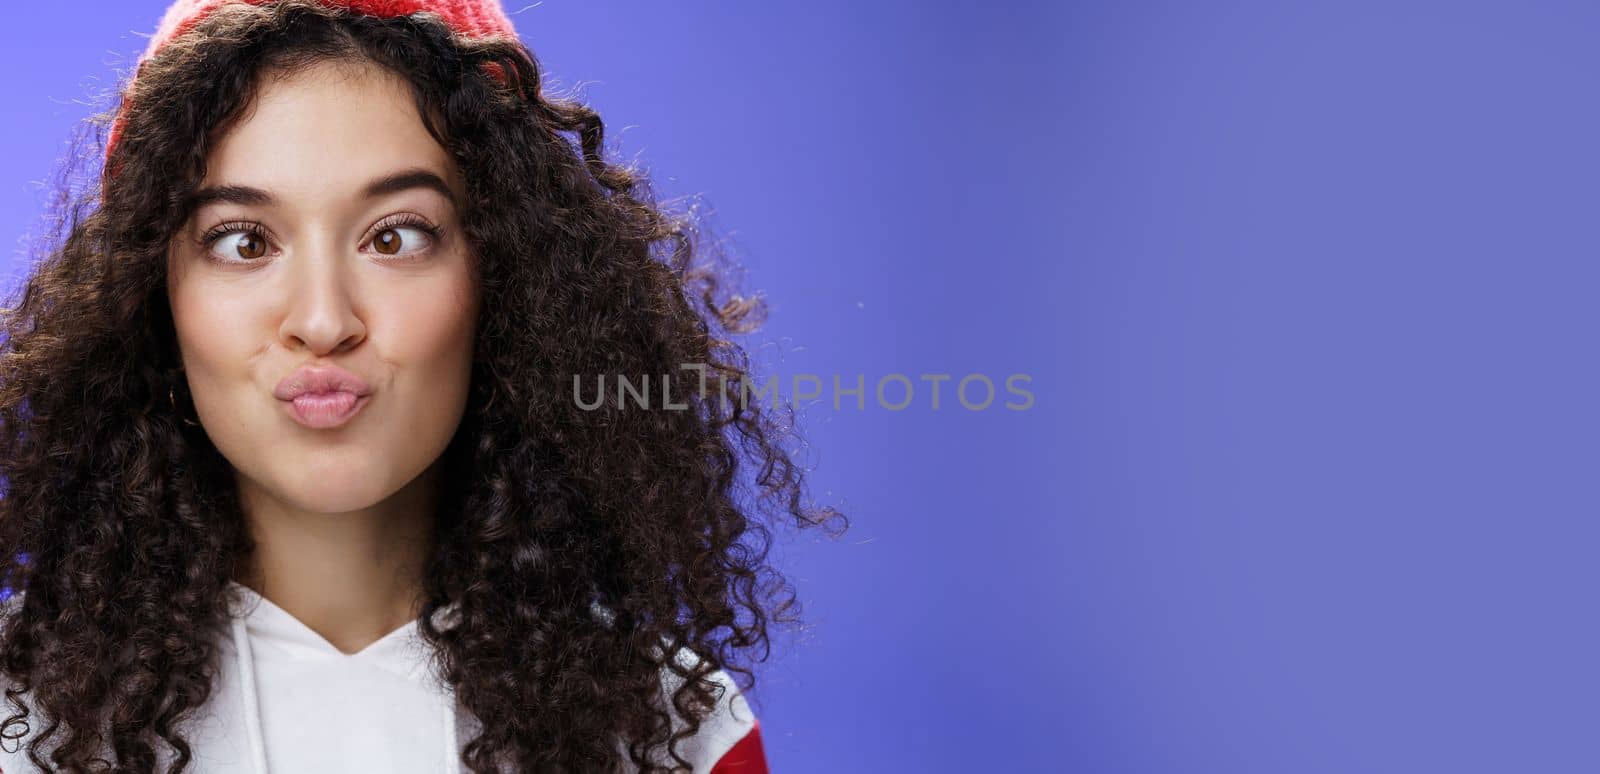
(322,397)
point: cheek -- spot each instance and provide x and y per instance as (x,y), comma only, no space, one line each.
(427,324)
(211,329)
(426,338)
(219,349)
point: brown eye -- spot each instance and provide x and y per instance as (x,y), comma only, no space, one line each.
(387,241)
(243,242)
(404,240)
(251,246)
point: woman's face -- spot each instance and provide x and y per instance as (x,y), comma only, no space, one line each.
(312,247)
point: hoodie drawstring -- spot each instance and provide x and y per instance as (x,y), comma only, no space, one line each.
(252,708)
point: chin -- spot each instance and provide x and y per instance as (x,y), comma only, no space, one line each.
(327,500)
(330,487)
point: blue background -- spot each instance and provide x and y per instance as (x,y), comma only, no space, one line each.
(1306,293)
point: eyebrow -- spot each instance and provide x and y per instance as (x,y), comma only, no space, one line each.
(389,184)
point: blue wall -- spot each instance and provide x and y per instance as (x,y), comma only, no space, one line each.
(1306,296)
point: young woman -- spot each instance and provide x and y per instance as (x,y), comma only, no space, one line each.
(295,476)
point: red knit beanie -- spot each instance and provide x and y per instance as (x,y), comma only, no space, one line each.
(469,18)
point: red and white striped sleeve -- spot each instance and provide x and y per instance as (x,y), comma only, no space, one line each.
(746,756)
(729,739)
(732,736)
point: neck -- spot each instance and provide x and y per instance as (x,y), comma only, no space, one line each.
(351,577)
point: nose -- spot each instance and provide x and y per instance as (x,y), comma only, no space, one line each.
(320,315)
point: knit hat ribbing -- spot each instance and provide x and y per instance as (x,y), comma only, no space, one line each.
(468,18)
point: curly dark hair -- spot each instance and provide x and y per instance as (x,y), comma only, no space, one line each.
(121,524)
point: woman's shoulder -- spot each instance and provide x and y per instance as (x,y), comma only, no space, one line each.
(727,742)
(729,738)
(13,741)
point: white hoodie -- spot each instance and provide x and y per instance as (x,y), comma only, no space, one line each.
(288,701)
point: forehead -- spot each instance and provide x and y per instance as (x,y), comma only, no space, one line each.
(325,130)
